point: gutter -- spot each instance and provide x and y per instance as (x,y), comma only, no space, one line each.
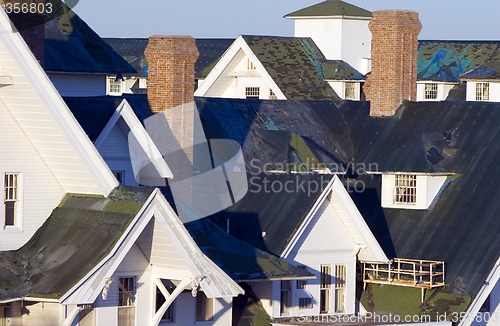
(30,299)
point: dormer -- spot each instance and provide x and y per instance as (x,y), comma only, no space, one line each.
(408,190)
(339,29)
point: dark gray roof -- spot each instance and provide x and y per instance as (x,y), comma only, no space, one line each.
(266,208)
(330,8)
(462,226)
(132,50)
(295,64)
(240,260)
(340,70)
(487,71)
(72,46)
(76,236)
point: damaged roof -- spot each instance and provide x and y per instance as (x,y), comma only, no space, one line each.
(295,65)
(330,8)
(77,235)
(461,227)
(72,46)
(268,219)
(240,260)
(132,50)
(447,61)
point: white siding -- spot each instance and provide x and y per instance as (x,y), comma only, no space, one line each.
(326,240)
(115,152)
(69,84)
(40,191)
(264,291)
(494,91)
(356,43)
(442,91)
(339,88)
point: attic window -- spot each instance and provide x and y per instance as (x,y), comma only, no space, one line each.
(350,91)
(431,91)
(482,91)
(250,65)
(11,199)
(252,92)
(405,190)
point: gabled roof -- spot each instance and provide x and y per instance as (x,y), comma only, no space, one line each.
(447,61)
(278,214)
(239,259)
(330,8)
(77,235)
(295,65)
(132,50)
(72,46)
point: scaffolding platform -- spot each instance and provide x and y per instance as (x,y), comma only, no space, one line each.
(424,274)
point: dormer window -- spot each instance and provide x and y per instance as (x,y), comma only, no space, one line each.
(431,91)
(11,199)
(411,190)
(482,91)
(405,189)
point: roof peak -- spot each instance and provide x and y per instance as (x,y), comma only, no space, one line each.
(330,8)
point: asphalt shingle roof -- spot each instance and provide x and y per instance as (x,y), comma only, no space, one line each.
(330,8)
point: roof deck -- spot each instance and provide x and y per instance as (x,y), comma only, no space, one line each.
(425,274)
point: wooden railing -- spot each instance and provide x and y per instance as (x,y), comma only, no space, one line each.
(425,274)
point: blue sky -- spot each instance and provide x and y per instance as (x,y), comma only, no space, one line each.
(442,19)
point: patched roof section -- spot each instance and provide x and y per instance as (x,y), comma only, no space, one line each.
(72,46)
(330,8)
(295,64)
(132,50)
(268,218)
(487,71)
(447,61)
(340,70)
(74,239)
(240,260)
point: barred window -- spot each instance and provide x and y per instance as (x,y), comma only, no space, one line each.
(431,91)
(252,92)
(405,191)
(482,91)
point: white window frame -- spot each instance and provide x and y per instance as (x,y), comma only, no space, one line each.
(340,287)
(430,91)
(169,315)
(18,201)
(209,304)
(252,92)
(113,83)
(272,96)
(405,189)
(325,285)
(482,91)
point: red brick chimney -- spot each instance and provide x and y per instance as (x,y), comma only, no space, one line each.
(31,26)
(393,78)
(171,61)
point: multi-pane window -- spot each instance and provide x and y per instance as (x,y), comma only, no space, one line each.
(204,307)
(431,91)
(286,297)
(11,198)
(305,303)
(272,96)
(325,289)
(482,91)
(115,86)
(252,92)
(350,91)
(405,191)
(126,300)
(340,277)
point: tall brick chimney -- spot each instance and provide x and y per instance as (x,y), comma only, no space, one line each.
(171,61)
(393,78)
(31,26)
